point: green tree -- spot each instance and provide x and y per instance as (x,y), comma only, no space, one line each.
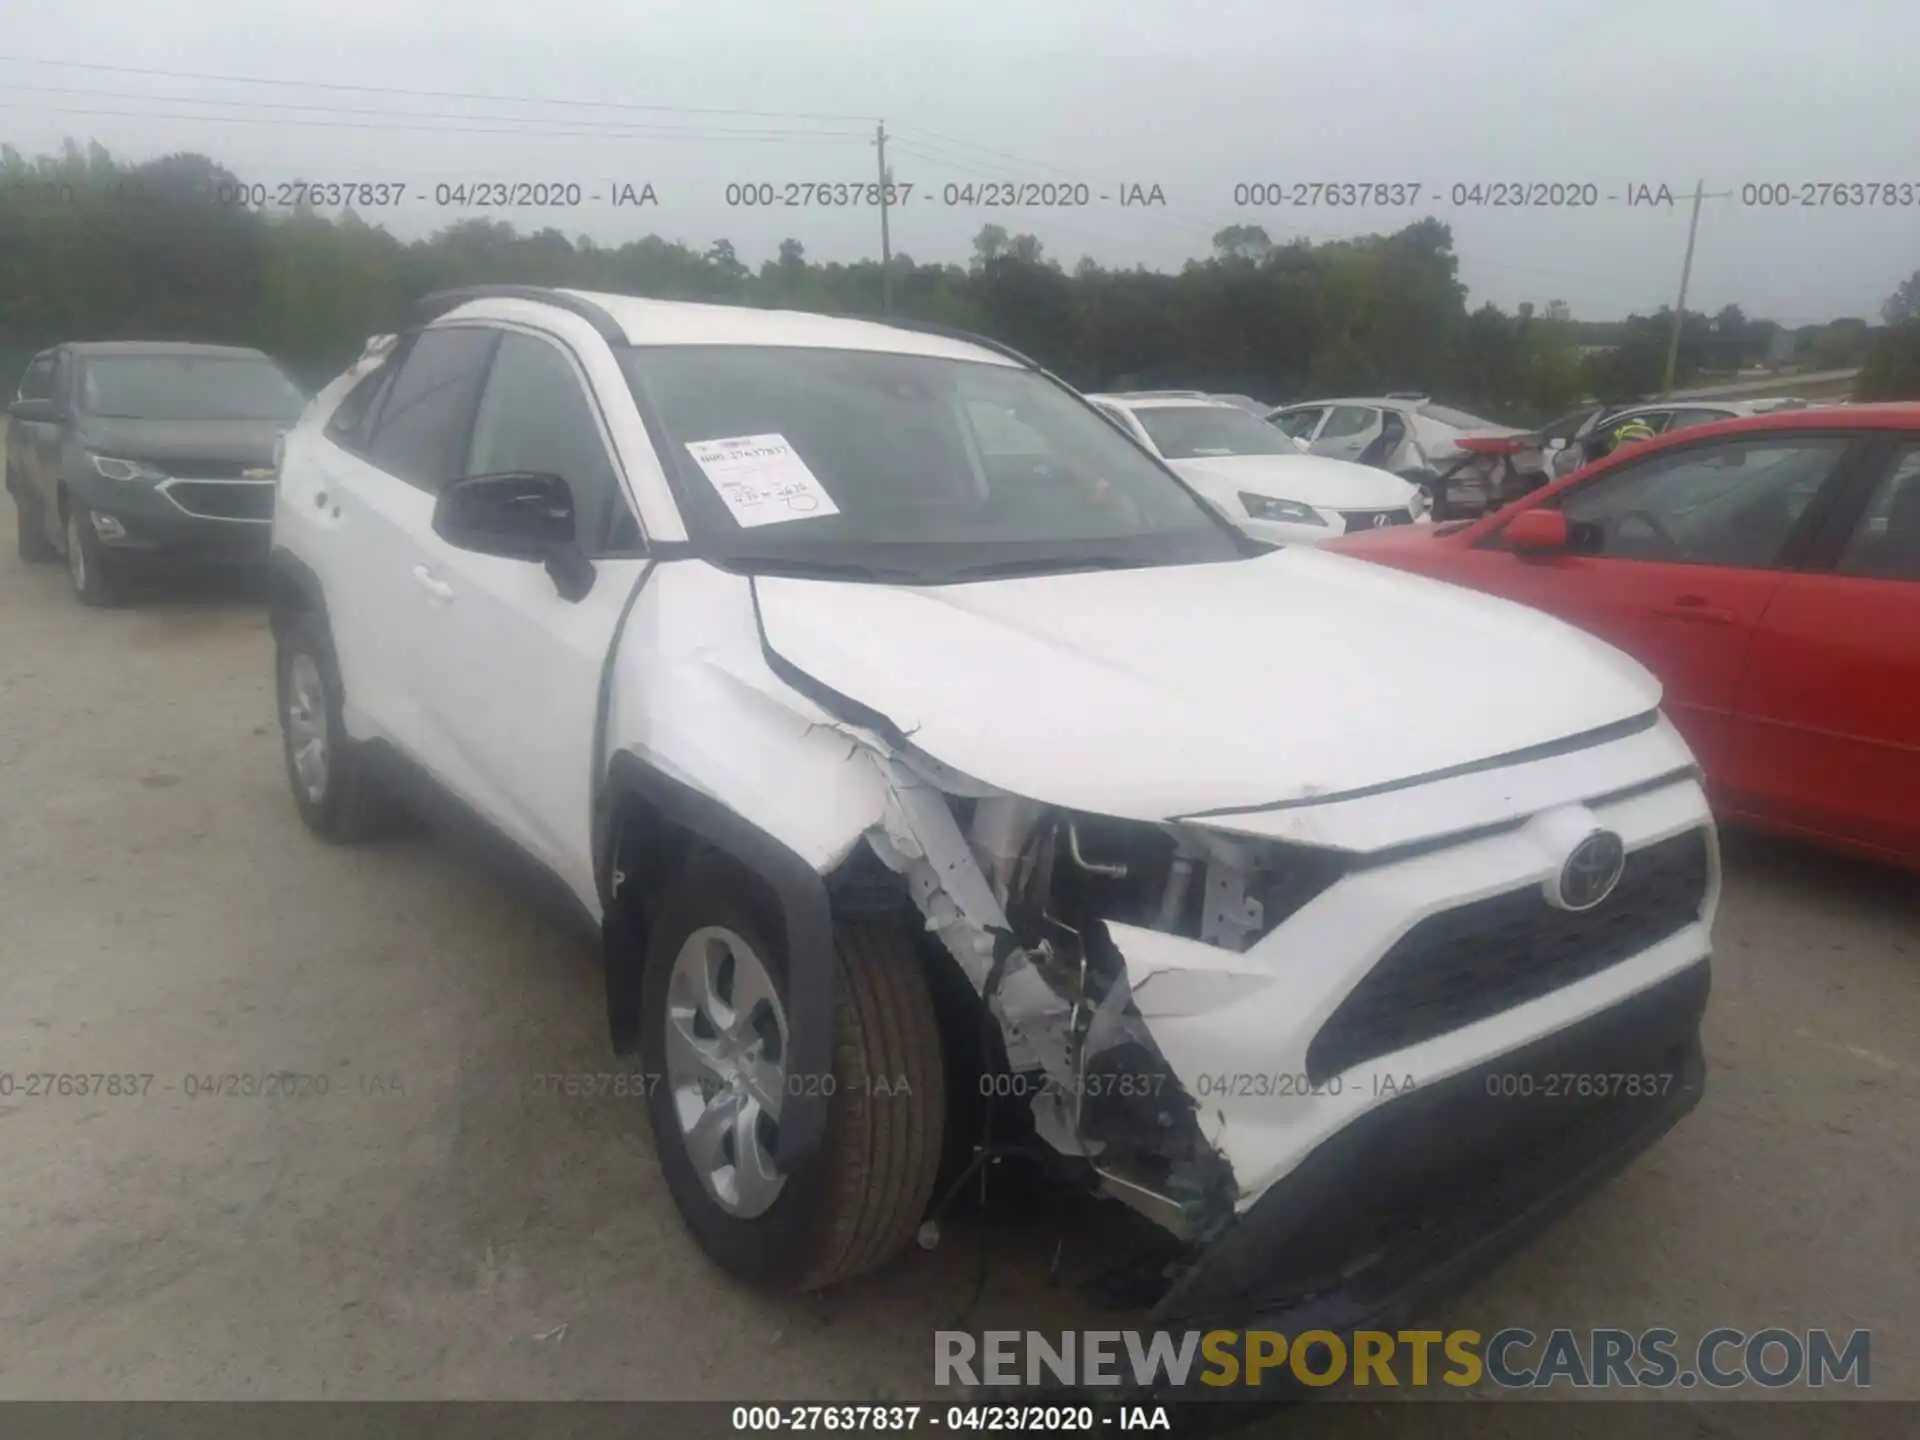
(1891,369)
(1904,304)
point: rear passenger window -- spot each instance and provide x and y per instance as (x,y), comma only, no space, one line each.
(1886,542)
(421,434)
(1348,420)
(351,417)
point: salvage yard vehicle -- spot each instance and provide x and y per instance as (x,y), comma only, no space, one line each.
(149,453)
(894,767)
(1450,452)
(1598,435)
(1767,569)
(1257,476)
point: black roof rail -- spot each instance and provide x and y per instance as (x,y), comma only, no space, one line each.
(431,307)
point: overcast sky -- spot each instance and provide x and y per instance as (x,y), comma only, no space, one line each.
(1193,97)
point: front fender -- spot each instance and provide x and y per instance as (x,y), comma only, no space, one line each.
(802,893)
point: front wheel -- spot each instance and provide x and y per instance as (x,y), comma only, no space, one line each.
(95,582)
(714,1034)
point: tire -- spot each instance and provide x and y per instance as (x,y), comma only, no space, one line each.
(30,525)
(95,579)
(339,799)
(857,1201)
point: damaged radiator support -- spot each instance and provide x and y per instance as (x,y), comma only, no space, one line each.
(1063,1003)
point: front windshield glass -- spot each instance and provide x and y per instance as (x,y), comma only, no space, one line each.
(187,387)
(1200,432)
(906,466)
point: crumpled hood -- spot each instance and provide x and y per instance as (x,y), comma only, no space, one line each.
(1157,693)
(1311,479)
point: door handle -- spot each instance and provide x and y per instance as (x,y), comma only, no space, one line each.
(1696,608)
(432,584)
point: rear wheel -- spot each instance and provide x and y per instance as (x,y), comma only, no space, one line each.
(714,1032)
(338,798)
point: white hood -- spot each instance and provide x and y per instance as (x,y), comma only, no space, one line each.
(1157,693)
(1310,479)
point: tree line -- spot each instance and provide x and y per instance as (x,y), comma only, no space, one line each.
(93,248)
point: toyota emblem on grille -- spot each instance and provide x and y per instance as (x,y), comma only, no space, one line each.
(1381,520)
(1593,869)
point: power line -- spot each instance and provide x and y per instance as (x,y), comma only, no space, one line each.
(400,113)
(631,133)
(428,94)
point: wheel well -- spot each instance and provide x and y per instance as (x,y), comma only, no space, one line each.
(286,596)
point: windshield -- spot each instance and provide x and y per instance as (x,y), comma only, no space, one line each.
(1199,432)
(906,467)
(187,387)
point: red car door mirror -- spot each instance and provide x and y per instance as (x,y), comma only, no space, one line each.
(1537,530)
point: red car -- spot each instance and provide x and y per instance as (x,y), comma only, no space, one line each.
(1767,569)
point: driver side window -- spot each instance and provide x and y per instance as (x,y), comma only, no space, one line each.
(1730,503)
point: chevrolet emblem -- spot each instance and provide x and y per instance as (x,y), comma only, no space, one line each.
(258,473)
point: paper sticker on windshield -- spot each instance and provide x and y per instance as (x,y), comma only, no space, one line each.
(761,479)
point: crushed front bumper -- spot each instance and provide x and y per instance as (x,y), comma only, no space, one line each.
(1431,1190)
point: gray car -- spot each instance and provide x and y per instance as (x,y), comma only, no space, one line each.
(129,452)
(1586,436)
(1407,434)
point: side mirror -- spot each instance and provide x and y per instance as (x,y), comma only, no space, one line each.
(517,516)
(1556,444)
(34,411)
(1537,531)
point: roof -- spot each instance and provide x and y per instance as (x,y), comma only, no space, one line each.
(160,347)
(1163,401)
(684,322)
(1383,402)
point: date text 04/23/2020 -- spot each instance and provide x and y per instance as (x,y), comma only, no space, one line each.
(951,1419)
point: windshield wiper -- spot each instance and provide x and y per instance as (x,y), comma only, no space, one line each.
(1049,565)
(801,568)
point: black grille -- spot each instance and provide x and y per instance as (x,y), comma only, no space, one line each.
(247,500)
(1463,965)
(211,469)
(1369,519)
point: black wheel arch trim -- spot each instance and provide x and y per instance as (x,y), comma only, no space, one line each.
(286,568)
(802,894)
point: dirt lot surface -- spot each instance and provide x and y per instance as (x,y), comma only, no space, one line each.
(430,1228)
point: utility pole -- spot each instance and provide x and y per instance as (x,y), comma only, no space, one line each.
(1680,308)
(886,243)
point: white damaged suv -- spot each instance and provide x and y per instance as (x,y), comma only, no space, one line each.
(909,735)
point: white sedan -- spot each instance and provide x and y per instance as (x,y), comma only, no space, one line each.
(1255,474)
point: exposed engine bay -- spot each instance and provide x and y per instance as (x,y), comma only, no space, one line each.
(1050,914)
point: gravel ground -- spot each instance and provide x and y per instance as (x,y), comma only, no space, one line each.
(428,1228)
